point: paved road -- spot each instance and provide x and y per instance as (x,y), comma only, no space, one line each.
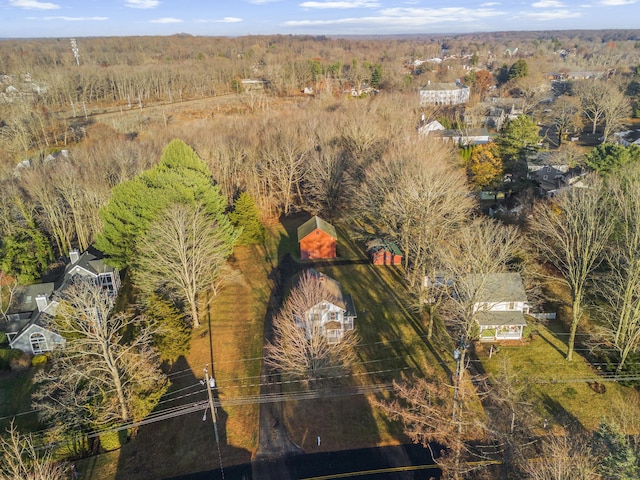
(404,462)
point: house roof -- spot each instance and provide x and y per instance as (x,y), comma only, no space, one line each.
(334,290)
(26,296)
(443,86)
(500,318)
(499,287)
(92,262)
(314,223)
(26,312)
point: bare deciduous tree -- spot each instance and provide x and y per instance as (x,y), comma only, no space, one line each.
(425,406)
(22,459)
(183,254)
(565,457)
(8,291)
(571,233)
(301,347)
(98,377)
(621,286)
(616,110)
(592,96)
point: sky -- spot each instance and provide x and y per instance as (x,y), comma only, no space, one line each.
(82,18)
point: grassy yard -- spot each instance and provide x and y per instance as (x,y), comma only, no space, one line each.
(559,389)
(393,345)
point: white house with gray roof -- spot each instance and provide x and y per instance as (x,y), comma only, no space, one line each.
(334,315)
(500,305)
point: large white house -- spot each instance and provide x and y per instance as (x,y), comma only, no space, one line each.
(500,305)
(444,94)
(27,325)
(334,315)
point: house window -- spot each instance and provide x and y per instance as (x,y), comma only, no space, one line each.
(545,177)
(333,316)
(348,323)
(38,343)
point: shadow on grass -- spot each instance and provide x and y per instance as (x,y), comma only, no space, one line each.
(179,442)
(559,414)
(555,347)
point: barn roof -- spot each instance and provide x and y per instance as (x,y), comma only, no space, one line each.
(316,223)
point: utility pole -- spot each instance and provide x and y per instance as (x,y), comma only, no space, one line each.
(211,383)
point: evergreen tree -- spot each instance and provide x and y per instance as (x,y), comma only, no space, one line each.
(172,334)
(518,69)
(518,137)
(245,216)
(608,157)
(180,177)
(26,253)
(618,460)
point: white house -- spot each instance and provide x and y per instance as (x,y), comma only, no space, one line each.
(444,94)
(500,305)
(27,326)
(334,315)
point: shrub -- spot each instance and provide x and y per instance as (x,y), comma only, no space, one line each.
(113,440)
(7,355)
(39,360)
(20,361)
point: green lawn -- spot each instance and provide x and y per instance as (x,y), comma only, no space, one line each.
(559,389)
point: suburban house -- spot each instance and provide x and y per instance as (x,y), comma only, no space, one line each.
(444,93)
(317,239)
(427,126)
(551,179)
(384,252)
(27,325)
(500,305)
(334,315)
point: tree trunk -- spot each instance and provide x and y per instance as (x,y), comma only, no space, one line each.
(575,318)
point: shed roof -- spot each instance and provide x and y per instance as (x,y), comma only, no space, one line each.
(314,223)
(378,244)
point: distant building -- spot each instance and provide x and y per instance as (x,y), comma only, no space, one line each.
(444,94)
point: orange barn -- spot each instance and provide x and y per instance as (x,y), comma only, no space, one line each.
(317,239)
(384,252)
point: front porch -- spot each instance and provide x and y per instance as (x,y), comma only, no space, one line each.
(501,326)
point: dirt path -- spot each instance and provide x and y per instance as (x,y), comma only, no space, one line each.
(273,438)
